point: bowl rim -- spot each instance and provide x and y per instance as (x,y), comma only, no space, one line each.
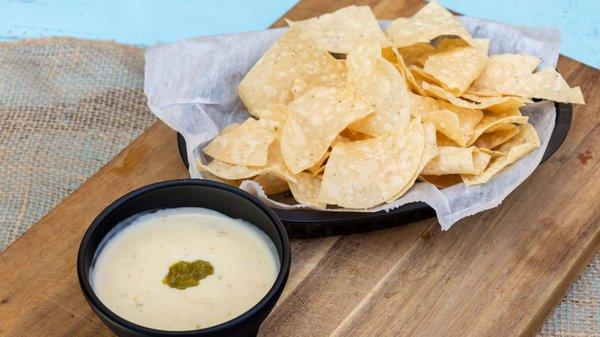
(106,313)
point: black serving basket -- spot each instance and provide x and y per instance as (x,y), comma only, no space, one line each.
(314,223)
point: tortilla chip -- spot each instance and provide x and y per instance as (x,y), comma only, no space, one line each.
(493,104)
(416,54)
(378,84)
(443,181)
(482,45)
(299,88)
(343,30)
(500,127)
(430,150)
(490,140)
(422,104)
(229,127)
(275,166)
(501,68)
(456,67)
(492,120)
(306,190)
(446,122)
(492,153)
(481,160)
(545,84)
(246,145)
(352,135)
(431,21)
(456,160)
(422,77)
(293,56)
(314,120)
(523,143)
(413,85)
(369,172)
(229,171)
(442,140)
(273,112)
(271,184)
(467,118)
(207,175)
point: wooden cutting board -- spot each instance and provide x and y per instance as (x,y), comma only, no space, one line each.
(498,273)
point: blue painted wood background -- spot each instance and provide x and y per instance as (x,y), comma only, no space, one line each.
(146,22)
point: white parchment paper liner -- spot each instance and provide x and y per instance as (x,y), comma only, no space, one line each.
(191,85)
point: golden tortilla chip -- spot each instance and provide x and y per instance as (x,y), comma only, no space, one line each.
(422,77)
(456,160)
(422,104)
(493,104)
(545,84)
(344,30)
(447,122)
(467,118)
(271,183)
(430,150)
(306,190)
(229,127)
(492,153)
(378,83)
(442,140)
(481,159)
(492,120)
(314,120)
(523,143)
(501,127)
(352,135)
(275,166)
(299,88)
(416,54)
(456,67)
(443,181)
(210,176)
(274,112)
(246,145)
(490,140)
(482,45)
(369,172)
(229,171)
(411,81)
(293,56)
(319,166)
(501,68)
(431,21)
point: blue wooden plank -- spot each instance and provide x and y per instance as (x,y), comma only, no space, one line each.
(138,22)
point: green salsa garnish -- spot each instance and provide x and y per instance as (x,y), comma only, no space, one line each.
(187,274)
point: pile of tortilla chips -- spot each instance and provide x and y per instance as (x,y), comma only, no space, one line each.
(345,115)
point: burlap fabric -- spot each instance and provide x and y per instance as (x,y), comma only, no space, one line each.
(67,106)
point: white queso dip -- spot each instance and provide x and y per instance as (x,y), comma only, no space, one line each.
(140,267)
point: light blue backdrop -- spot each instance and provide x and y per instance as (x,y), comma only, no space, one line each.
(138,22)
(578,20)
(145,22)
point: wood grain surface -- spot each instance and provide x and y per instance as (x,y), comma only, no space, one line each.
(498,273)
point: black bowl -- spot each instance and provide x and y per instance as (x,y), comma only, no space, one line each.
(213,195)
